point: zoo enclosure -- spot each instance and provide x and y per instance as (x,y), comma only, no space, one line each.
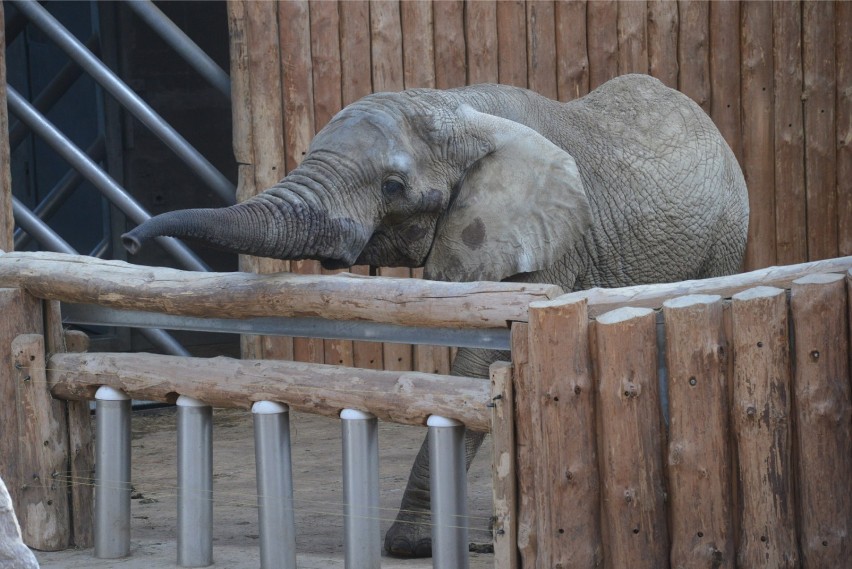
(750,466)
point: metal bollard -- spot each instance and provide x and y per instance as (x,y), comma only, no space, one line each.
(195,483)
(449,493)
(112,474)
(362,536)
(274,485)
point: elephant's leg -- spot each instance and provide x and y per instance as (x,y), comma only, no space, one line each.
(411,533)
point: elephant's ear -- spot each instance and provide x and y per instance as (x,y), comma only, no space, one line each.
(519,207)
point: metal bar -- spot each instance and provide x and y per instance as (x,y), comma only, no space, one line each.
(112,477)
(48,239)
(130,100)
(362,536)
(274,485)
(91,314)
(57,87)
(60,192)
(182,44)
(101,180)
(195,483)
(448,493)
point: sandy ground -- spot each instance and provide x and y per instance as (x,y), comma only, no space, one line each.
(318,494)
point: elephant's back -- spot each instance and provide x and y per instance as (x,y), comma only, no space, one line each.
(667,194)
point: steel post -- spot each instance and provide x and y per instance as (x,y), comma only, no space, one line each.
(274,485)
(195,483)
(362,537)
(112,477)
(448,493)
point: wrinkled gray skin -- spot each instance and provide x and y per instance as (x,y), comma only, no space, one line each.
(630,184)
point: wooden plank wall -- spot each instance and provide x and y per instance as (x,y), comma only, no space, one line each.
(775,77)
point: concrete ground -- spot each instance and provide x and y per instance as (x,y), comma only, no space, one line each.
(318,494)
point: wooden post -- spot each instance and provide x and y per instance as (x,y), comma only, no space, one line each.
(843,52)
(481,45)
(633,512)
(572,58)
(512,43)
(503,468)
(662,41)
(566,478)
(602,28)
(725,88)
(632,37)
(43,511)
(81,467)
(761,421)
(694,51)
(699,464)
(823,419)
(7,223)
(527,432)
(541,48)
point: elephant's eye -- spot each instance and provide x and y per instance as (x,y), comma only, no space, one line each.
(392,187)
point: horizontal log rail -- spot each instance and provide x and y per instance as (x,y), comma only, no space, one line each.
(601,300)
(407,398)
(407,302)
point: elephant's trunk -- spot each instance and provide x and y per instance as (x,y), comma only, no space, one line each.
(276,223)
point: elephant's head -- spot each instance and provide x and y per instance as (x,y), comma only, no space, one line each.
(411,179)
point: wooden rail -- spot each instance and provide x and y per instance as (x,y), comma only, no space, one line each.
(408,302)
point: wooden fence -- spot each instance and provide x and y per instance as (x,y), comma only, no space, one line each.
(753,467)
(775,77)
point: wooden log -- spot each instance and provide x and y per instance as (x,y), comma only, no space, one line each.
(450,50)
(822,406)
(407,398)
(81,440)
(418,45)
(699,457)
(818,61)
(602,29)
(843,121)
(567,483)
(527,432)
(633,37)
(758,159)
(481,42)
(21,315)
(662,41)
(240,90)
(725,103)
(7,223)
(761,423)
(72,278)
(633,511)
(572,58)
(652,296)
(356,82)
(512,42)
(541,48)
(44,511)
(791,207)
(503,468)
(694,51)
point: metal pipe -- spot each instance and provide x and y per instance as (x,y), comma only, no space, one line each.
(195,483)
(48,97)
(362,536)
(38,15)
(274,485)
(182,44)
(101,180)
(112,476)
(49,240)
(448,493)
(60,192)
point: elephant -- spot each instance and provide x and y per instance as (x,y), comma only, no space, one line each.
(630,184)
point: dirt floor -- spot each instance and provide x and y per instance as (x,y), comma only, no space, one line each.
(318,494)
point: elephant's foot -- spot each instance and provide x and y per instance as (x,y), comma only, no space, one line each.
(410,535)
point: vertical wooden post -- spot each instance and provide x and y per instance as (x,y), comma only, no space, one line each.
(694,51)
(81,442)
(843,52)
(572,57)
(541,48)
(566,479)
(823,419)
(512,43)
(503,468)
(481,45)
(527,432)
(602,28)
(632,37)
(725,73)
(662,41)
(761,421)
(633,515)
(7,223)
(699,464)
